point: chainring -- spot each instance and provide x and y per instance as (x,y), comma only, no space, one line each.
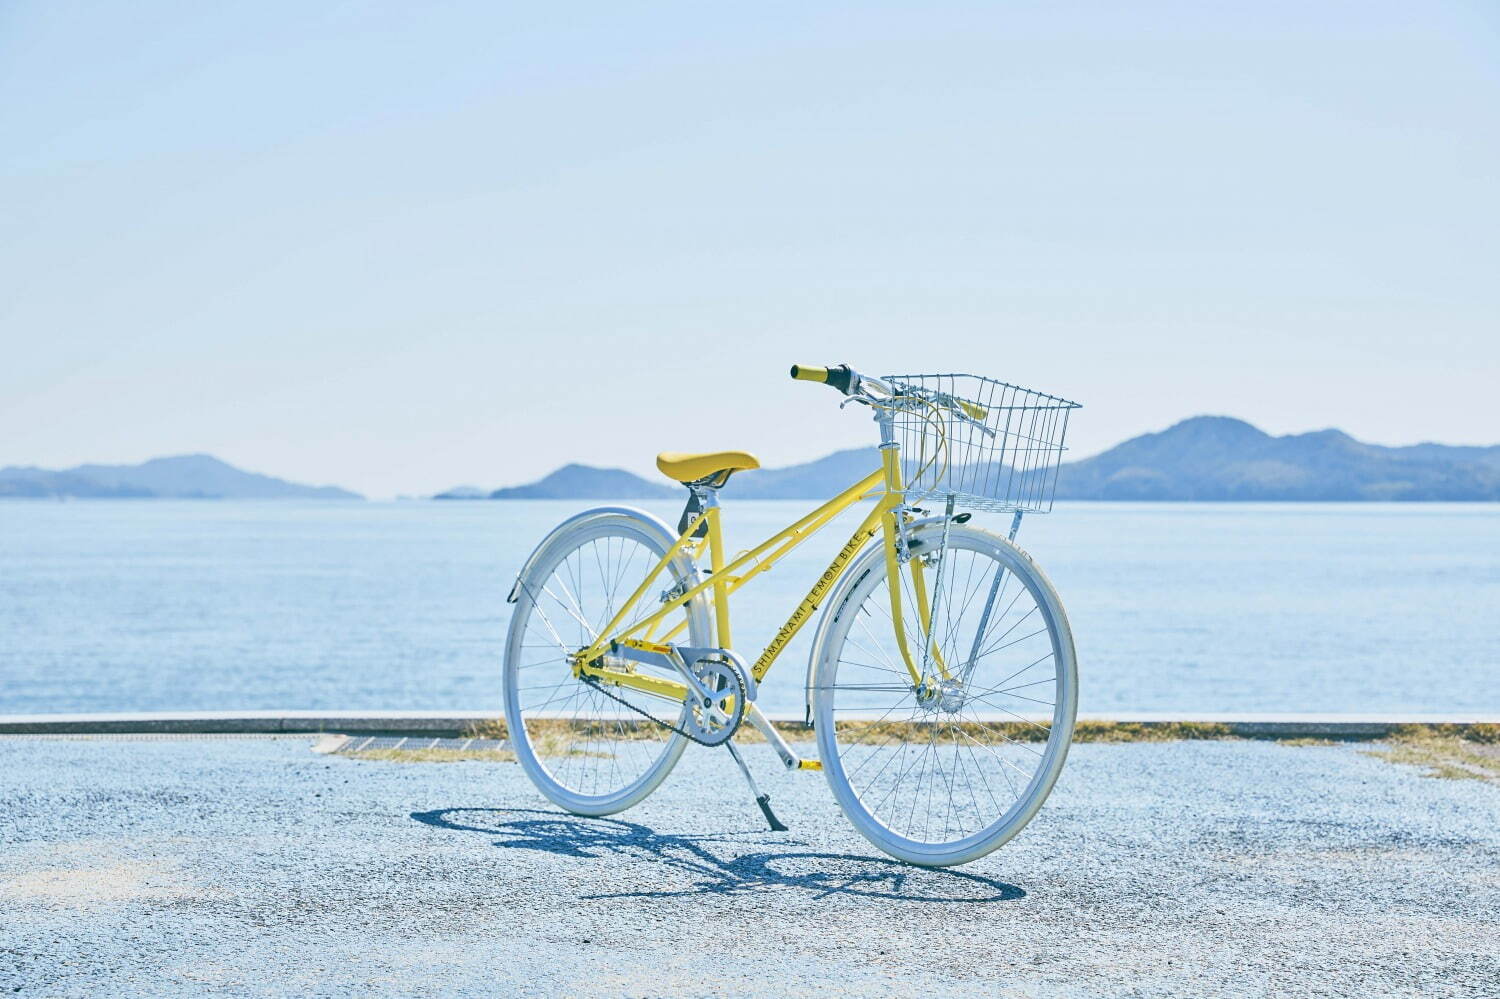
(715,722)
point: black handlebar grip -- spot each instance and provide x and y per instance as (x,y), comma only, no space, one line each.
(840,377)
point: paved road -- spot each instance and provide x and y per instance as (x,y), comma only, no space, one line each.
(252,867)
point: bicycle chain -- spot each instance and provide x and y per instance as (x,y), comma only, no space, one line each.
(590,681)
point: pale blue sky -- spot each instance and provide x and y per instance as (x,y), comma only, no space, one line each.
(403,246)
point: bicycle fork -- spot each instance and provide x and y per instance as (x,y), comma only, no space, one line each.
(989,606)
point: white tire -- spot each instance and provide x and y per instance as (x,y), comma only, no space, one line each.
(939,780)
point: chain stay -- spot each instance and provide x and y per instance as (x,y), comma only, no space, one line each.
(595,684)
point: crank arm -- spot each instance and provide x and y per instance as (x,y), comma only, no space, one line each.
(696,684)
(784,750)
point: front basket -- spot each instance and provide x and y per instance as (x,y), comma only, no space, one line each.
(988,444)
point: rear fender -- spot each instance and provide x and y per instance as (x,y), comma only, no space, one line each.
(682,564)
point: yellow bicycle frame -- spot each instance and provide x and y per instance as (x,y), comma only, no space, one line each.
(725,579)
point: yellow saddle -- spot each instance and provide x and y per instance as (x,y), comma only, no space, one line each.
(692,467)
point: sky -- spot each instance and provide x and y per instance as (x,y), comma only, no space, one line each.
(400,247)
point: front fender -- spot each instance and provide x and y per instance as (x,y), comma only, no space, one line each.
(873,555)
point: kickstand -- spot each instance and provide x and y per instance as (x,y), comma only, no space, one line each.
(763,800)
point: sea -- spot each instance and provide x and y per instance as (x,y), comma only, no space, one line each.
(1188,608)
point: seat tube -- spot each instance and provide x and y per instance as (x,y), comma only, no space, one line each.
(710,500)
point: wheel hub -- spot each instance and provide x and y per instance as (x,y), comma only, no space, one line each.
(946,696)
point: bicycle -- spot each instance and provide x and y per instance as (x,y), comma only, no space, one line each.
(942,702)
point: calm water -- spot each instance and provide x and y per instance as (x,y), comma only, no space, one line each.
(122,606)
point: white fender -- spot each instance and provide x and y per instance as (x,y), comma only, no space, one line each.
(648,519)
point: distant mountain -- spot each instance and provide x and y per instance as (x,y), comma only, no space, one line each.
(835,472)
(1220,458)
(1203,458)
(463,493)
(585,482)
(189,476)
(821,479)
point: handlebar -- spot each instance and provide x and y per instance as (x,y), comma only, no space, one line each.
(846,380)
(852,383)
(841,377)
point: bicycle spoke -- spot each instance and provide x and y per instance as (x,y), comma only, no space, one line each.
(928,765)
(586,743)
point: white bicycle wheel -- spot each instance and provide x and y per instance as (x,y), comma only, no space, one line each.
(946,775)
(586,752)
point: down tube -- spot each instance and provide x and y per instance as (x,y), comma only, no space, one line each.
(809,604)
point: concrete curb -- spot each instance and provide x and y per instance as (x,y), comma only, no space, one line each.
(451,723)
(435,723)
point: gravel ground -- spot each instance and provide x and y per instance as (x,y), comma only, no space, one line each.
(254,867)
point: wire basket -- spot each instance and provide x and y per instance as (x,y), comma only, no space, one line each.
(988,444)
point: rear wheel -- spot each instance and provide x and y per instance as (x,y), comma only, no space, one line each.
(945,774)
(584,750)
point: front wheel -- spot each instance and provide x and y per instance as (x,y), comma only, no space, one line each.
(943,773)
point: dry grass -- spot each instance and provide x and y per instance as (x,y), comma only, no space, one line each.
(435,755)
(1448,752)
(1103,731)
(554,735)
(790,731)
(559,732)
(560,737)
(1025,731)
(1485,734)
(554,730)
(490,728)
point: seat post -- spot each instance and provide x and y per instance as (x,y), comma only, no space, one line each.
(690,513)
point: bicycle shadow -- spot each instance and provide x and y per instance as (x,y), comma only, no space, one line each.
(821,874)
